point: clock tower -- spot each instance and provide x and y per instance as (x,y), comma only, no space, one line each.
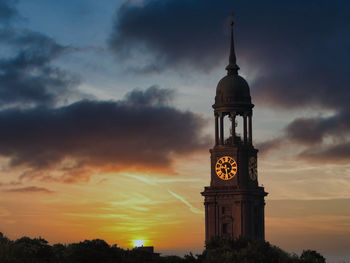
(234,201)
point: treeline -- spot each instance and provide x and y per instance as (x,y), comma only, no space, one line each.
(37,250)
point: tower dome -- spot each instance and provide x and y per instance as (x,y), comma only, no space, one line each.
(232,91)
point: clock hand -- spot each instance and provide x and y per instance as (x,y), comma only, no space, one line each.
(225,167)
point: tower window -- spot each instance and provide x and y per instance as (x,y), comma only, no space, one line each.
(224,228)
(223,210)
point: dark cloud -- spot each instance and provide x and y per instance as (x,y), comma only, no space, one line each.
(12,183)
(175,32)
(196,32)
(269,145)
(325,138)
(43,138)
(7,10)
(140,131)
(338,153)
(310,131)
(27,75)
(152,96)
(298,50)
(29,189)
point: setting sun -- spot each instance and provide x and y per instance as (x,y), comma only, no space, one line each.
(138,243)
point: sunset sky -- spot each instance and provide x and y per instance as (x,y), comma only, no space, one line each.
(106,118)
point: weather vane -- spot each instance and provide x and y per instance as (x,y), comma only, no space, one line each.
(231,22)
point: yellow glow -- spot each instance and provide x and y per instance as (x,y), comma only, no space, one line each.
(226,168)
(138,243)
(161,209)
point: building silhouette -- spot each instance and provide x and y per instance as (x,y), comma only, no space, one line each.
(147,249)
(234,201)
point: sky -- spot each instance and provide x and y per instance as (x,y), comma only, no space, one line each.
(106,118)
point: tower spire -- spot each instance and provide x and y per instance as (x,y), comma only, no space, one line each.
(232,68)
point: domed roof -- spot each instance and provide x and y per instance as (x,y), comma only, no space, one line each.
(232,89)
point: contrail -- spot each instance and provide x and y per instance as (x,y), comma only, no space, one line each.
(183,200)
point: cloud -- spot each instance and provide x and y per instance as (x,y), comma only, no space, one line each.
(152,96)
(156,26)
(27,76)
(11,183)
(193,32)
(325,139)
(65,143)
(29,189)
(314,130)
(339,153)
(266,146)
(298,51)
(137,132)
(7,10)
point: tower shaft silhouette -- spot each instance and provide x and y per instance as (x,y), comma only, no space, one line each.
(234,201)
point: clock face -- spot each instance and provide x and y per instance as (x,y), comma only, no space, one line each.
(226,168)
(252,167)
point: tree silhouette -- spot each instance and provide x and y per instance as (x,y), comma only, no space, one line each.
(311,256)
(27,250)
(242,250)
(218,250)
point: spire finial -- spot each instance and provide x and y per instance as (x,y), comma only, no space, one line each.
(232,67)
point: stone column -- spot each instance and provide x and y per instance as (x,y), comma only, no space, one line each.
(233,118)
(250,129)
(221,128)
(245,128)
(216,129)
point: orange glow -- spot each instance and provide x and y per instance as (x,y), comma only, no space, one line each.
(165,211)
